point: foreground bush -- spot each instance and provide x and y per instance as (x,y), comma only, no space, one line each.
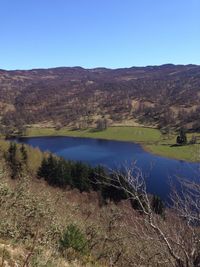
(73,238)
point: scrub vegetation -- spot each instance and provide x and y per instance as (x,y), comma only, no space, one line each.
(47,217)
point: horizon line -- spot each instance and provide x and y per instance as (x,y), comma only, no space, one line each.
(98,67)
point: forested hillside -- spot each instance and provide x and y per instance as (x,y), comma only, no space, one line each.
(154,95)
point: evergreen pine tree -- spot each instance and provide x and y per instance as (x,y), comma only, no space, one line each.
(12,160)
(24,154)
(182,137)
(43,169)
(157,205)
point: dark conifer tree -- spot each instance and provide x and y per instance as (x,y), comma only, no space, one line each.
(52,170)
(24,154)
(12,160)
(80,174)
(182,137)
(157,205)
(43,171)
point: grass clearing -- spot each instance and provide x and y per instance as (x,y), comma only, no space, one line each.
(188,153)
(135,134)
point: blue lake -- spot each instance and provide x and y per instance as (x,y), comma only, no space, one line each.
(114,154)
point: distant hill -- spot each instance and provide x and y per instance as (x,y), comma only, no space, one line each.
(153,95)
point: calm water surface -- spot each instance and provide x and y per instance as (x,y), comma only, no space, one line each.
(113,154)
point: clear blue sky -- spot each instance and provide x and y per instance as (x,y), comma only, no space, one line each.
(94,33)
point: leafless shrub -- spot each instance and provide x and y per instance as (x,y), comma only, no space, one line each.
(170,241)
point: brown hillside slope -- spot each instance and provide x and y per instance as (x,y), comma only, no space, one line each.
(158,95)
(35,217)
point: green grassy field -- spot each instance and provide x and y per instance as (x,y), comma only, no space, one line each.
(136,134)
(151,139)
(188,153)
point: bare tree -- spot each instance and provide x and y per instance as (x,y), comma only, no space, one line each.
(171,241)
(102,124)
(186,205)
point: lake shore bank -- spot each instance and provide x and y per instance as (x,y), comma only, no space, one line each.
(150,139)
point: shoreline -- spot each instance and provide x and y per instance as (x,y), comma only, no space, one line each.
(143,144)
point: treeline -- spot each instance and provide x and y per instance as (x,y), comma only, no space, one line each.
(59,172)
(64,174)
(73,174)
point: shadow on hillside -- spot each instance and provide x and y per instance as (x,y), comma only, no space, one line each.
(94,130)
